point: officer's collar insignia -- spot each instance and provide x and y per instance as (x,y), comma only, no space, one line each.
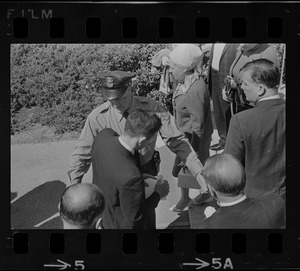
(109,82)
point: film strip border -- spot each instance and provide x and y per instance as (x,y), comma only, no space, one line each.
(129,27)
(130,244)
(166,22)
(173,249)
(148,22)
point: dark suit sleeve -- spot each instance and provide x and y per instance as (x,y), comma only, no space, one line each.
(276,211)
(151,202)
(132,199)
(201,226)
(234,141)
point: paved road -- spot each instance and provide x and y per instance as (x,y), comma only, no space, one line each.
(38,177)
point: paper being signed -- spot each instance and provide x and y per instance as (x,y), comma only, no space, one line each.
(151,181)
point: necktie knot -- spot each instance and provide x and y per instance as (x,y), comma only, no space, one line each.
(125,114)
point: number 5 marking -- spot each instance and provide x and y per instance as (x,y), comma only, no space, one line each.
(79,264)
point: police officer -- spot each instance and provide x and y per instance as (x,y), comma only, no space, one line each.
(117,89)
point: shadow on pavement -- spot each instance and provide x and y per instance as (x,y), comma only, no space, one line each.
(38,205)
(182,222)
(13,195)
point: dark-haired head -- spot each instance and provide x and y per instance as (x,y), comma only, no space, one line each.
(263,71)
(142,123)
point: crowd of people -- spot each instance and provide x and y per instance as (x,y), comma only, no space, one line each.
(247,180)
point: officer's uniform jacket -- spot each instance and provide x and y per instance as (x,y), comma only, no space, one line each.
(105,116)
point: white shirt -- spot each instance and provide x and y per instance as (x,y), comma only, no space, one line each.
(126,145)
(270,98)
(218,49)
(224,204)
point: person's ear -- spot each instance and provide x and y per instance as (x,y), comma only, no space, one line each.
(98,225)
(262,90)
(142,139)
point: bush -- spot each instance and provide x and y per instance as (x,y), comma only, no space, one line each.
(63,80)
(280,53)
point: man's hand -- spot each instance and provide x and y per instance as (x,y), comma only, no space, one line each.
(227,89)
(224,95)
(162,188)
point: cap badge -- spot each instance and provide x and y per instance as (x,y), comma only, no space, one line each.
(109,82)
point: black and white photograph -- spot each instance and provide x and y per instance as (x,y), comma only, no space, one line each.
(148,136)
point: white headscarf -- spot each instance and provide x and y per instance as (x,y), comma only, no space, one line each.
(186,56)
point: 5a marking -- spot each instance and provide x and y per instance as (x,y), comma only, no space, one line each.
(61,265)
(216,263)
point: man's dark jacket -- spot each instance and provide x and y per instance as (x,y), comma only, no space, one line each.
(267,212)
(257,138)
(116,172)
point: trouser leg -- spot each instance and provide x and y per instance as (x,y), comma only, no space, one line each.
(226,113)
(218,114)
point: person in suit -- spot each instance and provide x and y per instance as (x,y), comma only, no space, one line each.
(257,136)
(221,58)
(246,52)
(116,170)
(81,206)
(226,180)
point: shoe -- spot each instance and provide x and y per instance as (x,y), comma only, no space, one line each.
(177,210)
(201,198)
(217,147)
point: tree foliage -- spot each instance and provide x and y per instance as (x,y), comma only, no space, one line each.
(57,85)
(59,82)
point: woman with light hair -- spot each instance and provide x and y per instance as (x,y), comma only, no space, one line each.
(191,105)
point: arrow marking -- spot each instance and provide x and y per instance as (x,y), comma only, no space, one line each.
(61,266)
(200,265)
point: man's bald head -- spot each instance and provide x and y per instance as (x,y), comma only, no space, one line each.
(81,204)
(225,174)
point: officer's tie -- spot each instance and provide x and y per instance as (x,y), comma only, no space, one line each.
(125,115)
(137,158)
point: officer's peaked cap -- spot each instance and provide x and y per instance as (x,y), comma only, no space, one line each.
(115,83)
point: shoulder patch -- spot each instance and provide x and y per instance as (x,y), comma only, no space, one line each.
(100,109)
(103,107)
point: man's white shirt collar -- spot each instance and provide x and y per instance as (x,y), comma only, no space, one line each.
(224,204)
(126,145)
(270,98)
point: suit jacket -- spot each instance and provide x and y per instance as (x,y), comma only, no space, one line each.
(227,57)
(257,138)
(267,212)
(116,172)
